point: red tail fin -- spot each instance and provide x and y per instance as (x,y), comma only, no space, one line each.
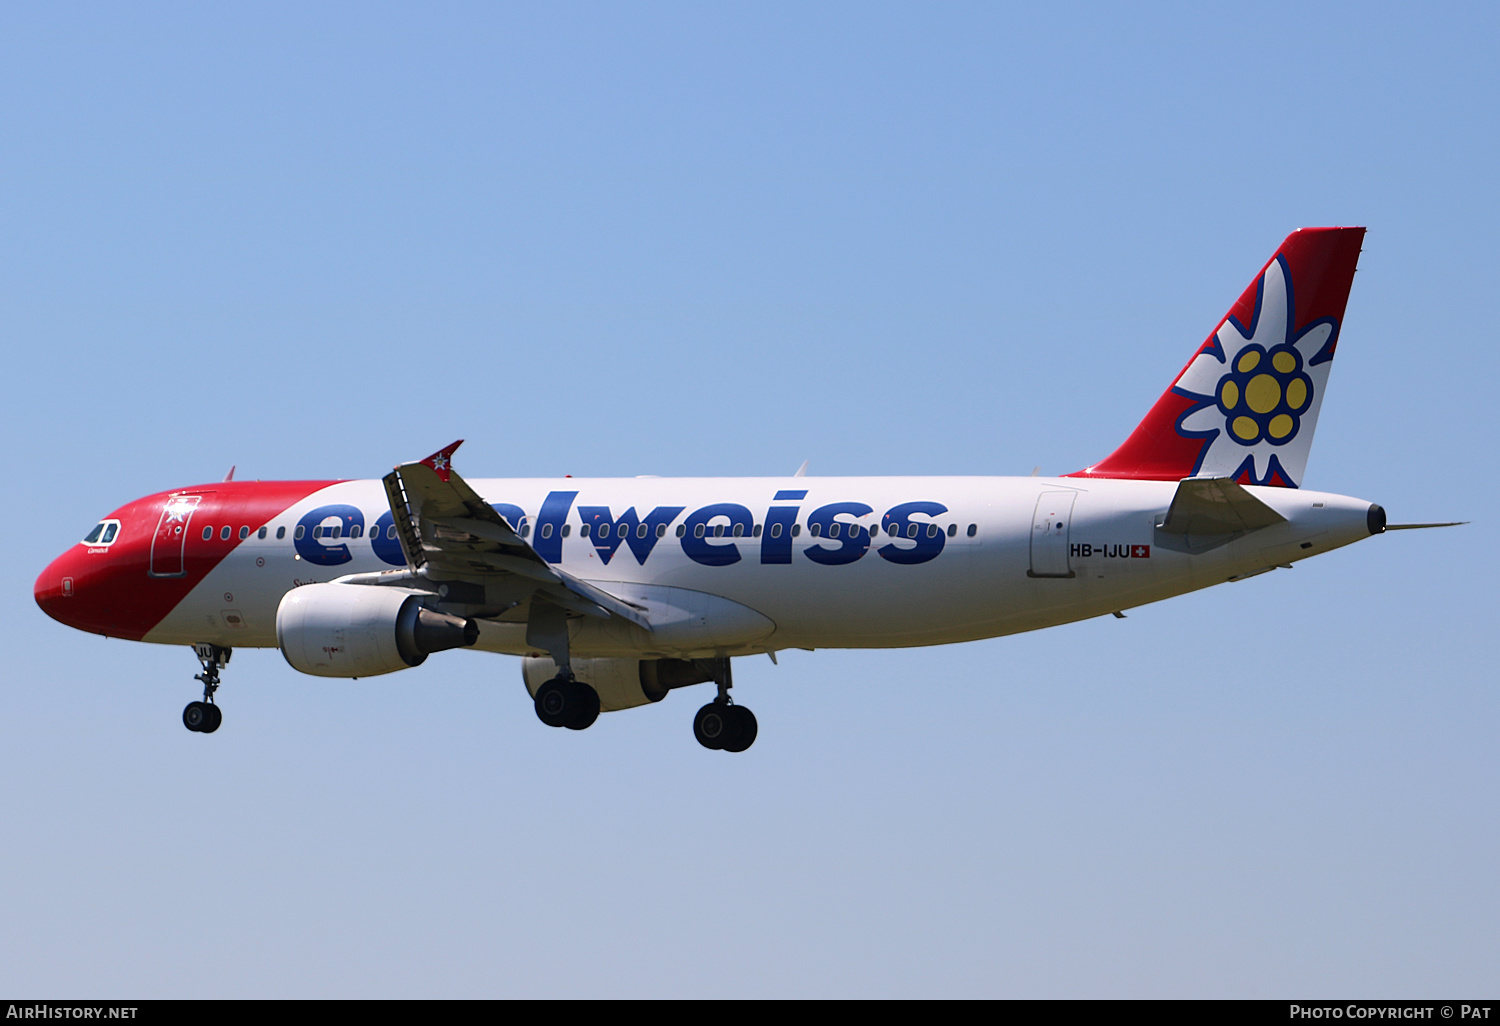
(1246,404)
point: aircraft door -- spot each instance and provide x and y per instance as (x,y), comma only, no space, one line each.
(1049,535)
(172,535)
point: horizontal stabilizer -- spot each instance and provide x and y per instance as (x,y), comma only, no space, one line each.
(1216,506)
(1423,527)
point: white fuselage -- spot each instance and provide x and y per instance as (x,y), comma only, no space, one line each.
(990,556)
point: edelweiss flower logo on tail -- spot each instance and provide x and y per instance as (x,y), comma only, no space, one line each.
(1256,392)
(441,461)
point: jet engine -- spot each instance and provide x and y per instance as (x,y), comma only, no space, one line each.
(621,683)
(356,630)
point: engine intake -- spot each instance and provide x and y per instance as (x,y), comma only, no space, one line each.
(357,630)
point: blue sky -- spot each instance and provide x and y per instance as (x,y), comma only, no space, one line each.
(314,240)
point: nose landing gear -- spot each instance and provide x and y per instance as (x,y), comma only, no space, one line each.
(204,717)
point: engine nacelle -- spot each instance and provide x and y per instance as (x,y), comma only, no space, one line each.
(621,683)
(360,630)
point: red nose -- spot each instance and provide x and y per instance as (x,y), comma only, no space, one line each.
(55,588)
(97,593)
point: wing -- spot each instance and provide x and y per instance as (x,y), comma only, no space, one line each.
(449,533)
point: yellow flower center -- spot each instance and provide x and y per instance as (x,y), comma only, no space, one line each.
(1263,393)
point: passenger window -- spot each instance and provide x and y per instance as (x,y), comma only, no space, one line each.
(796,530)
(775,530)
(280,533)
(356,531)
(682,530)
(815,530)
(932,530)
(546,530)
(567,530)
(640,532)
(208,532)
(224,533)
(261,534)
(661,530)
(390,532)
(583,532)
(525,530)
(698,531)
(739,530)
(952,530)
(297,536)
(244,533)
(973,530)
(756,532)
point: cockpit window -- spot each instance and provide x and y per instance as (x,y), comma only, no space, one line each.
(104,533)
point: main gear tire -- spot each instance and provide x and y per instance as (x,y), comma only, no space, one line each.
(552,702)
(567,703)
(585,707)
(713,726)
(745,729)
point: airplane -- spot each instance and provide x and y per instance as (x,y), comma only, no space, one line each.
(616,591)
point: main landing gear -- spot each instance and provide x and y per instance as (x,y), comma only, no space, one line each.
(721,725)
(724,727)
(565,702)
(204,717)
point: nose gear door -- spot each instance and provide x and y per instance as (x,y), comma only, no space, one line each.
(171,536)
(1049,535)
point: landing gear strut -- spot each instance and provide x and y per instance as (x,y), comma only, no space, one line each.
(204,717)
(721,725)
(563,701)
